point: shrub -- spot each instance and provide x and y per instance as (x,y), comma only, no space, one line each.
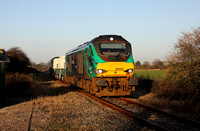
(18,60)
(23,85)
(18,85)
(182,82)
(30,86)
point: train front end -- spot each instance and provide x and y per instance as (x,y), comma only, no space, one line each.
(114,66)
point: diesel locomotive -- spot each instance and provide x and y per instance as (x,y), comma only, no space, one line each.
(103,66)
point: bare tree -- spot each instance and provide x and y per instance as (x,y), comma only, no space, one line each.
(185,61)
(137,63)
(187,49)
(158,64)
(146,65)
(18,59)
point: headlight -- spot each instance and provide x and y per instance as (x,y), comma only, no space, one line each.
(100,71)
(129,71)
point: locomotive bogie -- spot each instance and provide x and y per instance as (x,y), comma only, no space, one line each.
(112,86)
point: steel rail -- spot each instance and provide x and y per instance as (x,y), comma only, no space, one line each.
(127,113)
(179,118)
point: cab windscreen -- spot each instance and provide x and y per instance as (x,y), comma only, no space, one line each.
(113,49)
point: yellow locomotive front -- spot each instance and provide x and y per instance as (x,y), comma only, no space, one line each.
(114,66)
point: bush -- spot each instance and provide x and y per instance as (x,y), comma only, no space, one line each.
(18,60)
(23,85)
(29,86)
(182,82)
(18,85)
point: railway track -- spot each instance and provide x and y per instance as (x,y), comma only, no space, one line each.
(145,121)
(127,113)
(174,116)
(162,118)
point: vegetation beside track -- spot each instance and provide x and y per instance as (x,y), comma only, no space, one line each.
(30,85)
(179,89)
(61,108)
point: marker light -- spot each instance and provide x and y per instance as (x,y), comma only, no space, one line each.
(111,38)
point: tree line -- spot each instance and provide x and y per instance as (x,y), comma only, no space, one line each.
(156,64)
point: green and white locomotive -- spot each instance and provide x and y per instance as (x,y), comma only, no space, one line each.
(103,66)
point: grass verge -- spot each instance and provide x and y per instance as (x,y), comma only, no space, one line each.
(150,74)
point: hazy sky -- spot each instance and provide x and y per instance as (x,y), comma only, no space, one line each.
(47,28)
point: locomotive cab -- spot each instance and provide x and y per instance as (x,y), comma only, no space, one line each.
(116,55)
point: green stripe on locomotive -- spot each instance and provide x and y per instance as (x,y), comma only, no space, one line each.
(130,59)
(95,59)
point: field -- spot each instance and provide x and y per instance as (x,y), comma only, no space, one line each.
(150,74)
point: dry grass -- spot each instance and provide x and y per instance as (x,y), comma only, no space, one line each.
(177,99)
(58,107)
(74,111)
(19,85)
(15,118)
(31,86)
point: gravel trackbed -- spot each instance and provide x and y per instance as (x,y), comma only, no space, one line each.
(69,111)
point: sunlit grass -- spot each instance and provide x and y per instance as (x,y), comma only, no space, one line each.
(150,74)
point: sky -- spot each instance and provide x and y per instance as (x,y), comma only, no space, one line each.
(44,29)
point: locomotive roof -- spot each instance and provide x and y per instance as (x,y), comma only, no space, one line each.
(108,38)
(98,39)
(77,48)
